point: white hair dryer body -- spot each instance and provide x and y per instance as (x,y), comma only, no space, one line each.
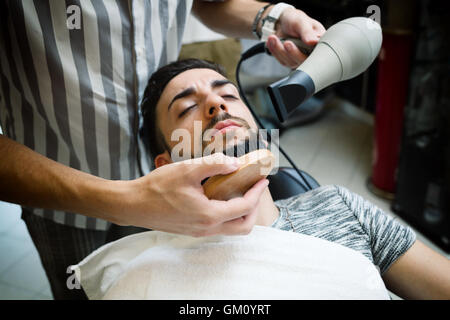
(345,50)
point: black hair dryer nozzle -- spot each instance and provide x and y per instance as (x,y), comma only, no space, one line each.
(289,93)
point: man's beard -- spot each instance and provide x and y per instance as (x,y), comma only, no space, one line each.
(238,142)
(252,141)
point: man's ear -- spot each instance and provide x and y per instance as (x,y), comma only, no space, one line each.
(163,159)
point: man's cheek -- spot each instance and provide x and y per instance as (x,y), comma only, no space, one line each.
(247,116)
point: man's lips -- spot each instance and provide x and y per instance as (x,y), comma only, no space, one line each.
(223,126)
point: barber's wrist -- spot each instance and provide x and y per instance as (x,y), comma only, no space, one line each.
(257,23)
(270,23)
(133,202)
(105,199)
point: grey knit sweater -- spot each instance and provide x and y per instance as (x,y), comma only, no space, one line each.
(335,214)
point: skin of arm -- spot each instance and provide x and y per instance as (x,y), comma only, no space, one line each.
(419,274)
(30,179)
(234,18)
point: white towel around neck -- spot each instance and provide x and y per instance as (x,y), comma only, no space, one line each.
(266,264)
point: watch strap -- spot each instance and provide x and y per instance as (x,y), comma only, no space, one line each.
(268,23)
(257,19)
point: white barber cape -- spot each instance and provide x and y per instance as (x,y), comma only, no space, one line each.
(266,264)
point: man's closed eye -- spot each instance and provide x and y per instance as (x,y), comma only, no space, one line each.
(227,96)
(230,96)
(185,111)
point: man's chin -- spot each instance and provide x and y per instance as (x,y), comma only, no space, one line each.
(235,142)
(239,148)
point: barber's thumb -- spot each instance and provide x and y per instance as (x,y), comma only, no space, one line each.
(216,164)
(255,192)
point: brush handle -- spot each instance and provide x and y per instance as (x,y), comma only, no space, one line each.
(255,166)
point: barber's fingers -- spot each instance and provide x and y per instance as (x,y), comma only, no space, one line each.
(317,31)
(297,24)
(294,53)
(211,165)
(238,215)
(239,226)
(287,54)
(309,31)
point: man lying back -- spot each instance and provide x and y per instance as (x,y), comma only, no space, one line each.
(323,244)
(192,91)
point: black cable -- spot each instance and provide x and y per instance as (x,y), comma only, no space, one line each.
(257,49)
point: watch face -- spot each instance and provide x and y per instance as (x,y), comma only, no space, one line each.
(269,19)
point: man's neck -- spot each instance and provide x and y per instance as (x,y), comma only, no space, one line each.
(267,211)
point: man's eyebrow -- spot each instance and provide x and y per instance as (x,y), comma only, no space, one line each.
(222,82)
(191,90)
(182,94)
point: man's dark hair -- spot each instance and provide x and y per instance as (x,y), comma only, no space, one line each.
(151,134)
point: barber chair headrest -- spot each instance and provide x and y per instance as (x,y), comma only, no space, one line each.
(287,183)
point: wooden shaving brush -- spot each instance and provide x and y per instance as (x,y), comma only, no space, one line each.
(254,166)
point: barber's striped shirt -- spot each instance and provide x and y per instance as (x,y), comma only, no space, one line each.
(72,74)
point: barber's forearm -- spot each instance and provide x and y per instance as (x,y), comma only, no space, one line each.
(30,179)
(233,18)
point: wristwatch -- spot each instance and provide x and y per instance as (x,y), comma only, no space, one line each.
(268,23)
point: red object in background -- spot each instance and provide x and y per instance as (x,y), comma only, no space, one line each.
(391,97)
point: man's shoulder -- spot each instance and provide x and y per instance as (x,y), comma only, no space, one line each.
(315,195)
(323,212)
(327,197)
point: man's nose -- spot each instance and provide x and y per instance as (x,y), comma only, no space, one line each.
(215,106)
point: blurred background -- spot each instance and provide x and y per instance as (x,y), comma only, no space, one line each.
(384,134)
(390,125)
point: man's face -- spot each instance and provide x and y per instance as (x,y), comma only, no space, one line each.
(207,99)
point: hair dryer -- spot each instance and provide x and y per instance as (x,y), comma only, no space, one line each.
(344,51)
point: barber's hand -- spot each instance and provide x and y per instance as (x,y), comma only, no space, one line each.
(171,199)
(293,23)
